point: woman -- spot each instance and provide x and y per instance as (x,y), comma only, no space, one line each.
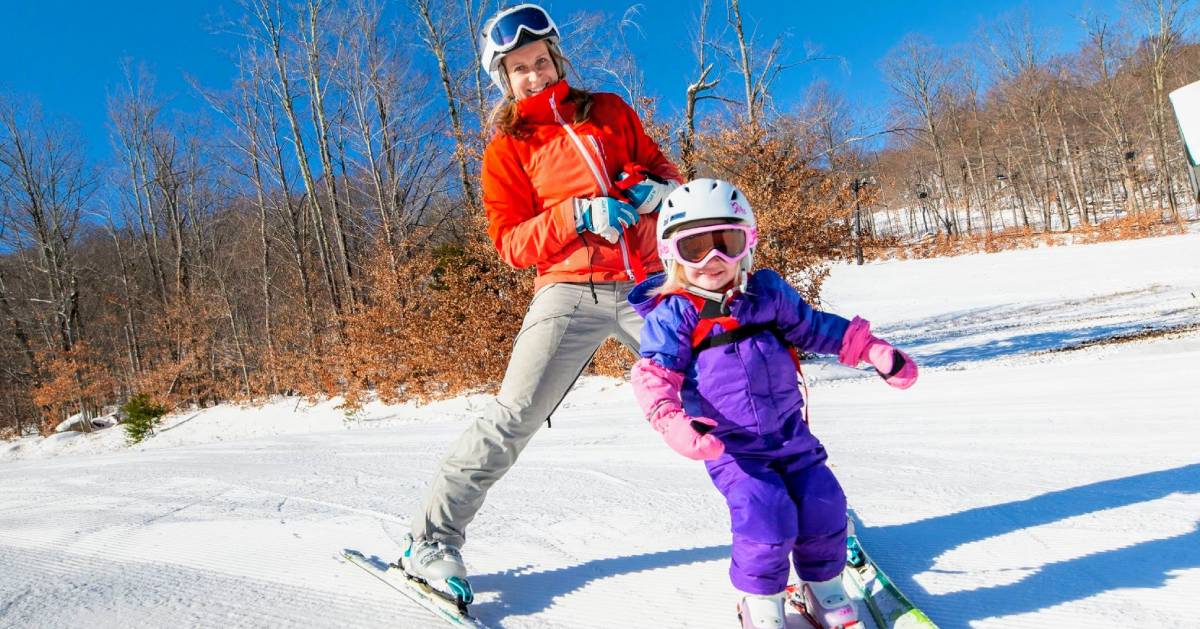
(571,184)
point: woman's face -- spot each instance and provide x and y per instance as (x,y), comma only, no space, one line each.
(530,69)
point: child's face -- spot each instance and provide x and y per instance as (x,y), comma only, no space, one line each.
(716,274)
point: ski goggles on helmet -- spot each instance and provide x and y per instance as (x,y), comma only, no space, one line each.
(505,30)
(696,246)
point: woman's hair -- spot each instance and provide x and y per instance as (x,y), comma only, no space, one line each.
(506,116)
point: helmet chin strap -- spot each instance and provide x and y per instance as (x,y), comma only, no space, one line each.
(722,299)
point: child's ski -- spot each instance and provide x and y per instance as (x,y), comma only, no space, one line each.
(888,606)
(450,608)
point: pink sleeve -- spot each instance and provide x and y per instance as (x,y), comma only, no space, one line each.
(855,341)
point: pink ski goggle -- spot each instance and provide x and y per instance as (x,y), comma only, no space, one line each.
(695,247)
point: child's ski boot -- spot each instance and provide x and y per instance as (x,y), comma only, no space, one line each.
(827,604)
(761,612)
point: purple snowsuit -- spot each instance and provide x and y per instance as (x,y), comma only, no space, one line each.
(782,497)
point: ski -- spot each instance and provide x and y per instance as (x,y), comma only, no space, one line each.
(888,606)
(450,608)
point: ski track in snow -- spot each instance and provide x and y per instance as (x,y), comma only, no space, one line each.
(1012,487)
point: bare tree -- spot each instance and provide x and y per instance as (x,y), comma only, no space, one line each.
(46,183)
(1106,55)
(698,90)
(1018,53)
(1164,21)
(255,129)
(759,71)
(474,11)
(132,118)
(29,375)
(394,144)
(318,27)
(129,290)
(601,53)
(270,34)
(918,74)
(438,38)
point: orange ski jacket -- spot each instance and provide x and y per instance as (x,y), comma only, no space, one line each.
(529,187)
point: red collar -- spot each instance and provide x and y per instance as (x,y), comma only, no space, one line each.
(537,110)
(705,324)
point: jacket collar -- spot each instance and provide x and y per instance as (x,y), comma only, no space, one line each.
(540,108)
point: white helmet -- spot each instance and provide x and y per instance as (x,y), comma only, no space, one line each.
(510,29)
(698,200)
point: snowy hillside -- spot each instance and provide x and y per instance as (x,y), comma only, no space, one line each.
(1013,486)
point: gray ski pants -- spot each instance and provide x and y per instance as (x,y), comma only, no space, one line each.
(562,329)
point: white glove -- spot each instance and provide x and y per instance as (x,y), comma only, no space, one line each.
(648,195)
(604,216)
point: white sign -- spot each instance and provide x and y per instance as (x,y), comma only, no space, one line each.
(1186,101)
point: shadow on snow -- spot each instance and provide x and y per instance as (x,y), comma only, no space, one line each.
(1144,565)
(522,592)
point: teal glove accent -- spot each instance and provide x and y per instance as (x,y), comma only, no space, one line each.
(647,196)
(604,216)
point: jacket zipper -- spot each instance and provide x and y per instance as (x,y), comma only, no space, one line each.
(622,242)
(599,149)
(591,164)
(600,180)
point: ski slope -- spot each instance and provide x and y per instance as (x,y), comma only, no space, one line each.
(1013,486)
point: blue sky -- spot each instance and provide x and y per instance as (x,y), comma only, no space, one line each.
(67,55)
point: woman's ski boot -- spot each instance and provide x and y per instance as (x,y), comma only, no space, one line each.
(439,568)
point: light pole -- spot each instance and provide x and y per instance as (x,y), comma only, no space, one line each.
(856,185)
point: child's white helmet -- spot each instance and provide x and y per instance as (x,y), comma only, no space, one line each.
(510,29)
(698,200)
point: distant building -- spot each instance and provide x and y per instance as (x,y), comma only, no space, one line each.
(1186,101)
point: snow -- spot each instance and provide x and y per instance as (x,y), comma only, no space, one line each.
(1013,486)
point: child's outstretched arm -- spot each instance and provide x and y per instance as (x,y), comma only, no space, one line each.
(657,390)
(894,366)
(808,329)
(822,332)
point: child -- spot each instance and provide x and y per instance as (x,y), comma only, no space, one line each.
(717,379)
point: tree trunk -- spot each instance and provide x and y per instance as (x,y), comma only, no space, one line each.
(436,39)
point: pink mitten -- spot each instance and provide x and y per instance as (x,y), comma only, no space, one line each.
(894,366)
(657,391)
(688,435)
